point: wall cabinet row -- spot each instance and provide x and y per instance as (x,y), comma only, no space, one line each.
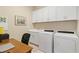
(55,13)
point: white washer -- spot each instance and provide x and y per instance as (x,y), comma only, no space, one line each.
(65,43)
(46,42)
(34,37)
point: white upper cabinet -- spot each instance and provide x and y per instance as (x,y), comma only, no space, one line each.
(66,13)
(71,12)
(55,13)
(40,15)
(45,14)
(34,16)
(78,13)
(52,13)
(60,13)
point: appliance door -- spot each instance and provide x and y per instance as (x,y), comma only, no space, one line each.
(34,38)
(64,44)
(46,43)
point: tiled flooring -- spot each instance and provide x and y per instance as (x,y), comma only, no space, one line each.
(35,49)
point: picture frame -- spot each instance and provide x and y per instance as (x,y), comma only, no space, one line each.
(20,20)
(3,19)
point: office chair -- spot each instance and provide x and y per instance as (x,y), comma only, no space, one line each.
(4,36)
(25,38)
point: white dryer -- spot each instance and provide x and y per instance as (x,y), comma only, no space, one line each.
(65,43)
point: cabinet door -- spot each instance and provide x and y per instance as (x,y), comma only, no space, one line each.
(44,14)
(52,13)
(35,16)
(77,12)
(70,13)
(66,13)
(60,13)
(40,15)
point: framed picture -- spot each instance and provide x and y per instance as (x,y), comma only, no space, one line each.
(20,20)
(3,19)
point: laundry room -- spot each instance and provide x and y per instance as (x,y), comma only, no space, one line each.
(62,22)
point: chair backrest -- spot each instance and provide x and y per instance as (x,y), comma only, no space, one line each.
(25,38)
(4,36)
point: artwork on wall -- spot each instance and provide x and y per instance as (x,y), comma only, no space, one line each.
(4,22)
(20,20)
(2,19)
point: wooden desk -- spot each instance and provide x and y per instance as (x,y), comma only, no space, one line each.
(19,47)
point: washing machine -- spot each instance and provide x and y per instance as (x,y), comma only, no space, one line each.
(46,42)
(65,42)
(44,39)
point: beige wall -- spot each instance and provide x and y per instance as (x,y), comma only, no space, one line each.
(59,25)
(10,12)
(37,7)
(78,27)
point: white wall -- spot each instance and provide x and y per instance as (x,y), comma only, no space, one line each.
(9,12)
